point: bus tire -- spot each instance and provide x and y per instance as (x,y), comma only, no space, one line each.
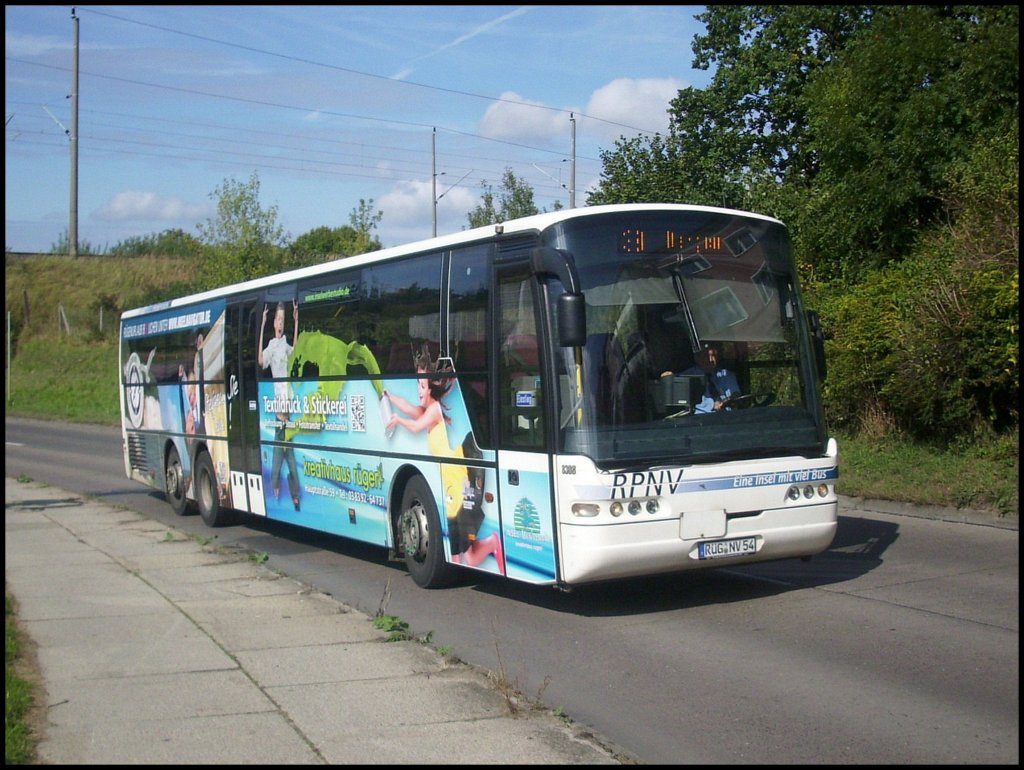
(420,537)
(208,494)
(174,483)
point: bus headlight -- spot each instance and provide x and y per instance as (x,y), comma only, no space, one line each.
(808,491)
(585,509)
(635,507)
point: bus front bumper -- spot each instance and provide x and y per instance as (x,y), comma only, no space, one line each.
(633,548)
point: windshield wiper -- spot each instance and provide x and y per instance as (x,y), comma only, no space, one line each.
(691,325)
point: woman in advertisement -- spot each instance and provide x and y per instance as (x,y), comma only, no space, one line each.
(463,487)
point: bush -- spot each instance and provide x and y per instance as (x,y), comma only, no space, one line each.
(931,341)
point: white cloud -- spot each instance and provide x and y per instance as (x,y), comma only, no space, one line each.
(411,203)
(409,215)
(625,106)
(133,205)
(632,105)
(406,203)
(516,118)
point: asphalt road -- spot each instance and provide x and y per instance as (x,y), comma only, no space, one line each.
(900,644)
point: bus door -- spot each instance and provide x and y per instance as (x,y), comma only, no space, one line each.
(524,460)
(243,409)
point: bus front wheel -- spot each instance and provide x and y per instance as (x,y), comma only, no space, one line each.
(208,493)
(419,532)
(174,483)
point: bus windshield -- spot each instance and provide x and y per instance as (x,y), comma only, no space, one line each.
(697,347)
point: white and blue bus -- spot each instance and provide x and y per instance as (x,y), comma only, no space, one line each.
(523,398)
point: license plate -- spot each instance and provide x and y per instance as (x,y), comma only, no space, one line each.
(723,549)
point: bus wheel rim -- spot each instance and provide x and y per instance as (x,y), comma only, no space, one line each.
(413,524)
(174,479)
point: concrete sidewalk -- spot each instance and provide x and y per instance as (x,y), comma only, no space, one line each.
(157,649)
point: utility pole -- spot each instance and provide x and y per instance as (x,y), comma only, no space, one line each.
(433,174)
(73,217)
(572,172)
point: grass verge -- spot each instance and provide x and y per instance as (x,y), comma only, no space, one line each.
(982,476)
(20,701)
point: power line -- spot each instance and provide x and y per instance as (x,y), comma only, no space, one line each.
(299,59)
(296,108)
(100,142)
(261,160)
(386,151)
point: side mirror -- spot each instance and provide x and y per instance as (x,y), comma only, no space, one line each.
(571,309)
(572,320)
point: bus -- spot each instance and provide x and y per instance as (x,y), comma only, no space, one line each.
(519,399)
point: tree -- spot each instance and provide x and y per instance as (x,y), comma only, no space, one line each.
(907,98)
(63,246)
(750,123)
(244,241)
(319,245)
(169,243)
(364,222)
(324,243)
(514,200)
(661,170)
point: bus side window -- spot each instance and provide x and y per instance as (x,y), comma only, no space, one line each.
(468,324)
(521,401)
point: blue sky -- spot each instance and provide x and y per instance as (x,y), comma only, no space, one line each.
(327,105)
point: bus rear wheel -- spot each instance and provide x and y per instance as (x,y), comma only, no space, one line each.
(420,538)
(208,493)
(174,483)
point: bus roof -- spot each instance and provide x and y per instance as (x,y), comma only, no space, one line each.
(534,223)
